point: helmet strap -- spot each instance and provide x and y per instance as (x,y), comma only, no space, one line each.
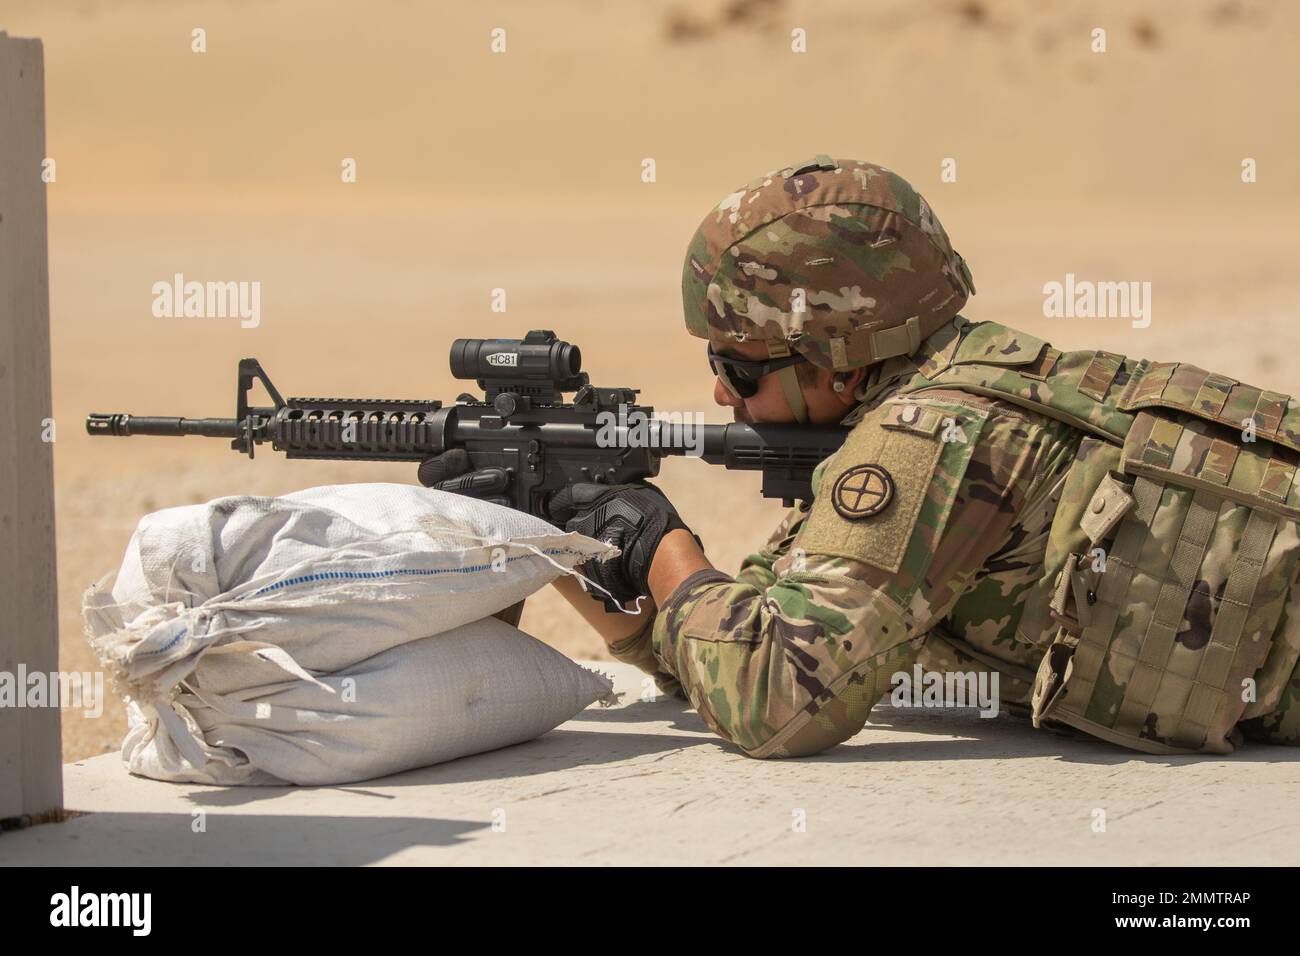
(793,393)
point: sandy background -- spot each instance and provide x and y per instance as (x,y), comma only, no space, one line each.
(522,170)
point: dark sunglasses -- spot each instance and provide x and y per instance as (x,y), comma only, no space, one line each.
(741,376)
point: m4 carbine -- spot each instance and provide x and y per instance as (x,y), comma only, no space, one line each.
(521,440)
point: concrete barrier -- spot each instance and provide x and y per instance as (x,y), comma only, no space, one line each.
(31,781)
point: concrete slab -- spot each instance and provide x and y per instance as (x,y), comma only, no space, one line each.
(645,783)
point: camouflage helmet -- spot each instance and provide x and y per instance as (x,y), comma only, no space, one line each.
(839,260)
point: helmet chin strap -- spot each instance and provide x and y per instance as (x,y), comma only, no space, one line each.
(793,393)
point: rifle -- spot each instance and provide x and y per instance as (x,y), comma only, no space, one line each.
(521,440)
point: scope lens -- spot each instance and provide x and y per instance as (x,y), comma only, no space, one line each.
(567,358)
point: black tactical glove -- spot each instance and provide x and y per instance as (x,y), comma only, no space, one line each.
(633,518)
(450,471)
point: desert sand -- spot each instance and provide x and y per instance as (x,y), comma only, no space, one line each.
(522,170)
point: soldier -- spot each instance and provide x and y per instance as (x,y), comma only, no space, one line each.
(1115,538)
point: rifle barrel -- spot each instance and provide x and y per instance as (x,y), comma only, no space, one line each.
(121,425)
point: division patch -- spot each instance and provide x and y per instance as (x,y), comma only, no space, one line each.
(862,491)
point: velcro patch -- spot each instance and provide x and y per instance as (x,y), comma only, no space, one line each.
(912,417)
(906,442)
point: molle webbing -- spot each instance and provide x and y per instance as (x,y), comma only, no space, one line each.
(1090,655)
(1215,397)
(1079,388)
(1097,391)
(1152,664)
(1162,642)
(1228,660)
(1195,454)
(1156,647)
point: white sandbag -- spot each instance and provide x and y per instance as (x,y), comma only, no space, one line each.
(479,687)
(281,593)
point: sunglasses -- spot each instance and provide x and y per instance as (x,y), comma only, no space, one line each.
(741,376)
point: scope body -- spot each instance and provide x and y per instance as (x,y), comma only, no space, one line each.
(539,366)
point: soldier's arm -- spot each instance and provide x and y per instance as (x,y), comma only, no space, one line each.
(627,635)
(794,667)
(612,626)
(756,569)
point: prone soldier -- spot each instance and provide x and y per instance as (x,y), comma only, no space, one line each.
(1115,538)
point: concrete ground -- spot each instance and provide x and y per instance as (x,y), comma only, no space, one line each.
(645,783)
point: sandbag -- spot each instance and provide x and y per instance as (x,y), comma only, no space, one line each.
(479,687)
(299,638)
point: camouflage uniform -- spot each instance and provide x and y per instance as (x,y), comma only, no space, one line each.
(1091,527)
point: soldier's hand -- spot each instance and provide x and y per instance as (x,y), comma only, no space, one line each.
(451,471)
(633,518)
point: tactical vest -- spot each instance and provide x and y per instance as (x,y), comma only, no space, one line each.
(1175,543)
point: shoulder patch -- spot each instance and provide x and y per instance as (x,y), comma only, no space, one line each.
(862,491)
(902,465)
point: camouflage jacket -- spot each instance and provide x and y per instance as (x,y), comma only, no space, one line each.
(934,538)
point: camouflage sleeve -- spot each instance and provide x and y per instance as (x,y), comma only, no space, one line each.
(904,515)
(638,649)
(756,569)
